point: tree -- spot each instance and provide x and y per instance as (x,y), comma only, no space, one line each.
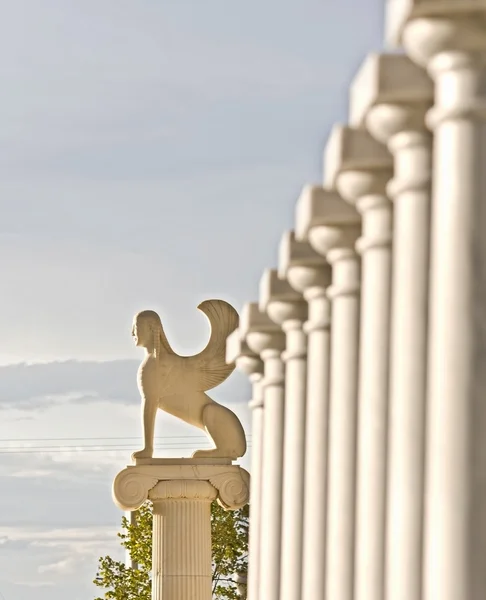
(229,534)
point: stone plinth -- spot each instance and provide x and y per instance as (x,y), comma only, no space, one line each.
(181,491)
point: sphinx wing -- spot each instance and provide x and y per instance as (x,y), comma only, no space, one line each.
(209,367)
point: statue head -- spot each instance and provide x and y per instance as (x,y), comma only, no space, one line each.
(146,329)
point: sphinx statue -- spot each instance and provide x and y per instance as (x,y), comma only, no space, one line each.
(178,384)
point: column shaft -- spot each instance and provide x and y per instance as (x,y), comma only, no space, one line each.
(181,563)
(344,294)
(375,248)
(410,190)
(455,547)
(271,515)
(255,488)
(315,484)
(295,358)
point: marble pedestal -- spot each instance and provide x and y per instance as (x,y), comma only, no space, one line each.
(181,491)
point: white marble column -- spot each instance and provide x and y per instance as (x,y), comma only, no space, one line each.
(182,540)
(181,491)
(332,227)
(391,95)
(451,44)
(267,340)
(317,328)
(359,168)
(287,308)
(250,363)
(312,277)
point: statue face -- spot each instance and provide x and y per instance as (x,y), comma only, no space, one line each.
(141,332)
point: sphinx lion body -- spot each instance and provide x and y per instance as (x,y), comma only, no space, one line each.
(177,386)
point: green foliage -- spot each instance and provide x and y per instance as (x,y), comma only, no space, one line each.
(229,530)
(229,534)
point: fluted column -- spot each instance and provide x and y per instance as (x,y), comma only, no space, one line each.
(237,351)
(359,167)
(451,44)
(181,490)
(332,227)
(182,540)
(390,96)
(267,340)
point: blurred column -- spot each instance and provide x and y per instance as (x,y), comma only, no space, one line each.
(359,168)
(390,96)
(332,227)
(450,42)
(267,340)
(309,273)
(250,363)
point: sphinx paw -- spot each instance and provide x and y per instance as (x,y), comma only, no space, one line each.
(213,453)
(145,453)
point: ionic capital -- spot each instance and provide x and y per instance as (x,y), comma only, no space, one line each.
(390,95)
(179,479)
(261,334)
(326,221)
(334,241)
(279,300)
(183,489)
(301,265)
(451,44)
(248,362)
(459,24)
(356,164)
(238,352)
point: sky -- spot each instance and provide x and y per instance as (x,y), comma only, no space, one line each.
(151,154)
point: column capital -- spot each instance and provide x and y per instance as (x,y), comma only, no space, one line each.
(356,164)
(452,46)
(238,352)
(183,489)
(325,220)
(390,95)
(301,265)
(279,300)
(182,479)
(400,13)
(261,333)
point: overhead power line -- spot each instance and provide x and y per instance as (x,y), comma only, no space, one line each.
(55,445)
(85,450)
(73,439)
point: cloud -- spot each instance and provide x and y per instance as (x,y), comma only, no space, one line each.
(65,566)
(29,474)
(79,539)
(39,386)
(54,556)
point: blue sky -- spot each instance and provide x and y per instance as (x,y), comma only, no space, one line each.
(151,153)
